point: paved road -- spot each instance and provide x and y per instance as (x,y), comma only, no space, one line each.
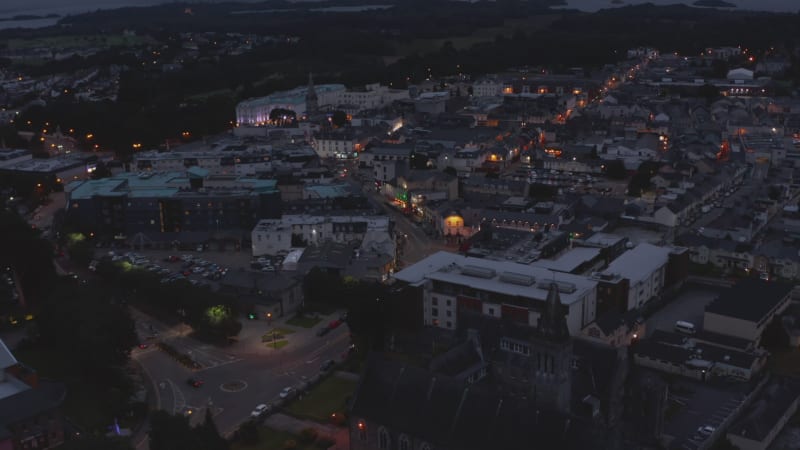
(236,378)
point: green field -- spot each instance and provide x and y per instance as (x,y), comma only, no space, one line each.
(326,398)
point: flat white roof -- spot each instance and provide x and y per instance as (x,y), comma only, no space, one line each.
(639,262)
(570,260)
(445,266)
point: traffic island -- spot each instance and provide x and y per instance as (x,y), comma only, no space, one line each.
(233,386)
(276,338)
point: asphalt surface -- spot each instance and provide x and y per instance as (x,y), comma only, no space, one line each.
(235,378)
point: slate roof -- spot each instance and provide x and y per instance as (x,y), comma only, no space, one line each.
(31,402)
(6,357)
(767,408)
(750,299)
(436,409)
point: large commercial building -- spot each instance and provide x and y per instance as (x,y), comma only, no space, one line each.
(255,111)
(746,309)
(226,159)
(160,205)
(643,269)
(272,236)
(451,284)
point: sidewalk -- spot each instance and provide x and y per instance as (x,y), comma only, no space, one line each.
(292,425)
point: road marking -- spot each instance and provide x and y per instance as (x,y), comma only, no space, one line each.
(311,361)
(178,400)
(155,388)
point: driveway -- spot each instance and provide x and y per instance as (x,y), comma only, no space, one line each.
(689,306)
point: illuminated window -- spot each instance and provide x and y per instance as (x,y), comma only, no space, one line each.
(362,431)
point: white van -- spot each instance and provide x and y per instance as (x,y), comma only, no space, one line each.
(685,327)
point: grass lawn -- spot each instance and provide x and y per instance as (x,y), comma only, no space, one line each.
(325,398)
(303,321)
(271,439)
(276,333)
(277,344)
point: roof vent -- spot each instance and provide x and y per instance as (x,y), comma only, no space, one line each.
(478,272)
(517,278)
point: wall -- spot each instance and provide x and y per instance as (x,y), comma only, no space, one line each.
(730,326)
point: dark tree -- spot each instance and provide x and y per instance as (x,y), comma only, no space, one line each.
(209,435)
(168,432)
(616,170)
(450,171)
(248,433)
(101,171)
(96,443)
(775,336)
(28,255)
(84,316)
(339,119)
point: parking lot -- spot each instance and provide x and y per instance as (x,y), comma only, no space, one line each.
(200,268)
(696,411)
(689,306)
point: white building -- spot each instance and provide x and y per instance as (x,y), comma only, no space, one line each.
(231,159)
(271,236)
(335,145)
(255,111)
(453,283)
(645,267)
(487,87)
(372,96)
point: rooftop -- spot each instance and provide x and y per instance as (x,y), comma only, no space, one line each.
(750,299)
(766,410)
(503,277)
(639,262)
(438,410)
(293,96)
(570,260)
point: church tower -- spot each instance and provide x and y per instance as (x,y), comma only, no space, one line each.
(312,102)
(551,356)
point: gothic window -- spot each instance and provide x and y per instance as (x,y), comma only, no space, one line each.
(404,443)
(383,439)
(362,431)
(425,447)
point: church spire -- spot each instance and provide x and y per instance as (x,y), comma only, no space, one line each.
(311,97)
(552,321)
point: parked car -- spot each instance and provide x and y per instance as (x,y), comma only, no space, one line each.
(334,324)
(195,382)
(260,410)
(706,430)
(327,365)
(286,392)
(323,331)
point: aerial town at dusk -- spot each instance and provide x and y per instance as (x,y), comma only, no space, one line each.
(413,225)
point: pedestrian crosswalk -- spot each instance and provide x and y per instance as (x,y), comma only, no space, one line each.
(206,356)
